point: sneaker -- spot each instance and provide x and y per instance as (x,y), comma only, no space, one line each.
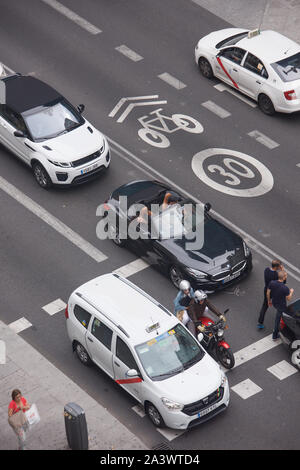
(260,326)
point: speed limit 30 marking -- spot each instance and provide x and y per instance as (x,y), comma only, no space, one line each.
(235,170)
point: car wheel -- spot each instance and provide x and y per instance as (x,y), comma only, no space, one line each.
(83,355)
(115,237)
(205,68)
(266,105)
(175,276)
(154,415)
(41,176)
(296,358)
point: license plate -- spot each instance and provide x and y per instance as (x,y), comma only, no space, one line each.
(89,168)
(207,410)
(229,278)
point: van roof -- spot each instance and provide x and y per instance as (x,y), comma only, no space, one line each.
(127,306)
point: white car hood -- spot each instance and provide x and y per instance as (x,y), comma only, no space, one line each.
(193,384)
(216,36)
(78,143)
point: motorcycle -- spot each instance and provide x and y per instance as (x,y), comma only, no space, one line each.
(289,331)
(212,340)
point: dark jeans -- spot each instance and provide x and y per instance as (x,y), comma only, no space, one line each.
(264,308)
(279,313)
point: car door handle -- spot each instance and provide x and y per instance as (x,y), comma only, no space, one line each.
(90,339)
(258,82)
(235,70)
(118,365)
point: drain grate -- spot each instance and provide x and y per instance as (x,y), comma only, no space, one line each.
(162,446)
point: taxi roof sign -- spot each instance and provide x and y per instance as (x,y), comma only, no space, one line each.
(254,32)
(150,328)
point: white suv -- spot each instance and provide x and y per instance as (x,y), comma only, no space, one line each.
(145,349)
(42,128)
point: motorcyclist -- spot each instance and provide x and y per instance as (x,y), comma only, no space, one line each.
(198,306)
(184,296)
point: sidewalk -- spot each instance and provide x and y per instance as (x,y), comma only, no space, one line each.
(279,15)
(21,366)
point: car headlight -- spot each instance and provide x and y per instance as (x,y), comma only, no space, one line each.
(246,249)
(196,273)
(171,405)
(61,164)
(224,380)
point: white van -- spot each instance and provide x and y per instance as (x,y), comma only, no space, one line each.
(145,349)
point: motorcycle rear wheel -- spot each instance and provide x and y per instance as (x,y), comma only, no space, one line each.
(225,357)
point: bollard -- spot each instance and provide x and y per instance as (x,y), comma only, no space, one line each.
(76,427)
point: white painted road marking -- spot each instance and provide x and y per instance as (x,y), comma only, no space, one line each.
(214,108)
(255,349)
(20,325)
(54,307)
(174,82)
(71,15)
(129,53)
(233,170)
(132,105)
(170,434)
(52,221)
(2,352)
(131,268)
(246,389)
(222,87)
(282,370)
(263,139)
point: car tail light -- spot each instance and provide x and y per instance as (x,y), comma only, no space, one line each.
(290,95)
(282,324)
(66,312)
(106,206)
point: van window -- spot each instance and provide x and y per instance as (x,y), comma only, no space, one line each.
(125,355)
(102,333)
(82,315)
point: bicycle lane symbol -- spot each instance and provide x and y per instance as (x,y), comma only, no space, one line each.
(156,125)
(233,173)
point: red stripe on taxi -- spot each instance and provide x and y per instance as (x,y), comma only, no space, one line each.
(225,71)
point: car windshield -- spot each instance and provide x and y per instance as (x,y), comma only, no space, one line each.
(177,220)
(51,120)
(169,353)
(288,69)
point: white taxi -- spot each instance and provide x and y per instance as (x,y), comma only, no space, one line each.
(147,351)
(264,65)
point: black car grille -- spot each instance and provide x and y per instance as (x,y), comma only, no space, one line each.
(194,408)
(87,159)
(221,275)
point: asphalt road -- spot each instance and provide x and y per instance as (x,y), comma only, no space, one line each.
(39,265)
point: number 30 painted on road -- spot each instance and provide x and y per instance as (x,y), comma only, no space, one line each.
(234,174)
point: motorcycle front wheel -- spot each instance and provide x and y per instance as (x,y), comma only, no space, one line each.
(225,357)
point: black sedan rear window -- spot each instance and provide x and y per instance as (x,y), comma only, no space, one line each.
(288,69)
(231,40)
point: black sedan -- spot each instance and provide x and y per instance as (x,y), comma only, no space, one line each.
(157,213)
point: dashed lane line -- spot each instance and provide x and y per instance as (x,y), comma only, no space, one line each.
(216,109)
(71,15)
(132,268)
(52,221)
(263,139)
(246,389)
(130,54)
(282,370)
(174,82)
(54,307)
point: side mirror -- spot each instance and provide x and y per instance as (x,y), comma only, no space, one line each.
(80,108)
(131,373)
(19,134)
(207,207)
(200,337)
